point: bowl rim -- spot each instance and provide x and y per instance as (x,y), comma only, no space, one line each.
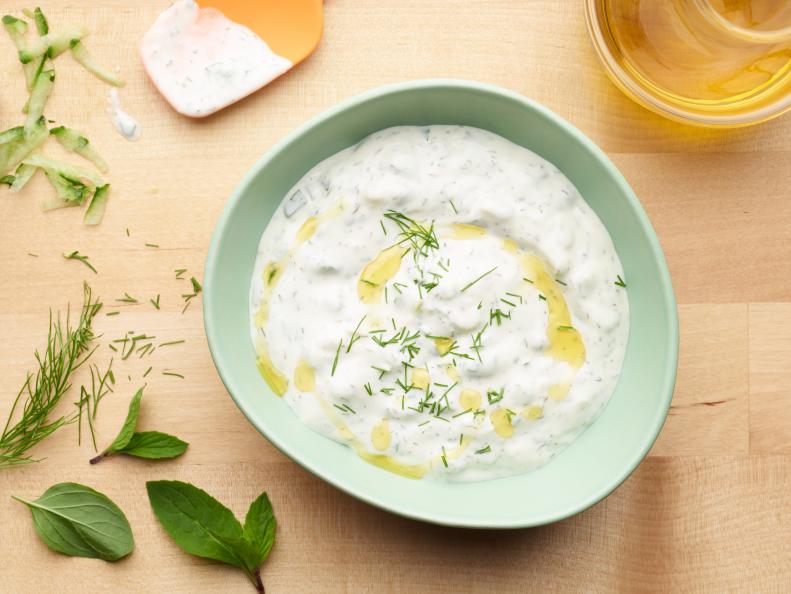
(402,508)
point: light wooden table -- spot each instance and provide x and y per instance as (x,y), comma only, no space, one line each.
(708,510)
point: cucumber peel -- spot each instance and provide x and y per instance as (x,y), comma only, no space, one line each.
(38,99)
(97,206)
(51,45)
(22,176)
(82,55)
(66,170)
(68,189)
(74,141)
(15,152)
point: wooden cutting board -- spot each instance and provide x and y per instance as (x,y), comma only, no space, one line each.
(709,509)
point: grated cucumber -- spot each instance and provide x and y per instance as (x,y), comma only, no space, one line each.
(38,99)
(51,45)
(97,206)
(22,175)
(73,172)
(84,57)
(13,153)
(74,141)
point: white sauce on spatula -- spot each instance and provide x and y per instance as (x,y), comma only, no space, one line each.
(202,61)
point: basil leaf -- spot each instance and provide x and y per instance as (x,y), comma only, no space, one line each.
(259,527)
(154,445)
(128,428)
(76,520)
(204,527)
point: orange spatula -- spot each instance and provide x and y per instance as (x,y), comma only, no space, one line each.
(292,28)
(203,58)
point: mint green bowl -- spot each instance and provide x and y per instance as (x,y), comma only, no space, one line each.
(593,465)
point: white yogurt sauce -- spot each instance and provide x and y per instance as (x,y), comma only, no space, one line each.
(202,61)
(125,124)
(475,348)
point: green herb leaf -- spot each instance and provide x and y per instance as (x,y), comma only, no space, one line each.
(76,520)
(127,430)
(204,527)
(259,527)
(154,445)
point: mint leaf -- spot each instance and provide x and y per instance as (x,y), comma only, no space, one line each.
(204,527)
(128,428)
(154,445)
(75,520)
(259,527)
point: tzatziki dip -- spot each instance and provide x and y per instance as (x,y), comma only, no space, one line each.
(442,301)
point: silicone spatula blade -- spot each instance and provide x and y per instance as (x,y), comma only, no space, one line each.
(291,28)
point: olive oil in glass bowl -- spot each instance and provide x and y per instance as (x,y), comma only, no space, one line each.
(716,63)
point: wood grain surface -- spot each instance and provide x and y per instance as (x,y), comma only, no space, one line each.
(708,511)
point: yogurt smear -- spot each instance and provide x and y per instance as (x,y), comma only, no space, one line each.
(202,61)
(441,300)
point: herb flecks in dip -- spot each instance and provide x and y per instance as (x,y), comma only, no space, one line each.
(441,300)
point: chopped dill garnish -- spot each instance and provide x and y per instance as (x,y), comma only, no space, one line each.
(515,295)
(155,302)
(381,223)
(147,371)
(127,231)
(386,299)
(440,385)
(468,285)
(112,313)
(153,245)
(527,280)
(337,354)
(620,282)
(498,315)
(196,286)
(179,272)
(464,412)
(173,373)
(387,391)
(127,298)
(369,283)
(453,206)
(112,348)
(444,460)
(445,394)
(565,327)
(560,282)
(493,396)
(508,302)
(354,337)
(32,254)
(461,439)
(75,255)
(172,342)
(485,450)
(426,422)
(368,389)
(541,297)
(397,286)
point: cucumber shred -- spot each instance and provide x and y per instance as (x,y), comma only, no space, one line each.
(67,170)
(84,57)
(42,26)
(74,141)
(15,152)
(68,189)
(95,211)
(12,134)
(22,176)
(51,45)
(8,180)
(38,99)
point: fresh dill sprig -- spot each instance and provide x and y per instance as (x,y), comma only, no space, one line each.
(337,354)
(30,419)
(355,337)
(89,400)
(468,285)
(620,282)
(75,255)
(421,239)
(493,396)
